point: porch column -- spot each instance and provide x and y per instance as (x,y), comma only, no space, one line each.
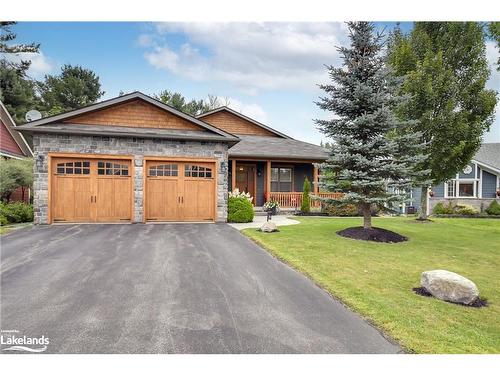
(233,174)
(268,180)
(315,180)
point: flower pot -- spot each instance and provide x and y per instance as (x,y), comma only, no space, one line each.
(431,193)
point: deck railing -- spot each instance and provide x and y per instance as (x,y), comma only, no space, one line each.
(294,199)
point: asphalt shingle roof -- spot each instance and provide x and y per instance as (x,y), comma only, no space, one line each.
(489,154)
(274,147)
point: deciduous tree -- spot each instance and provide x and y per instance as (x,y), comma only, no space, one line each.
(445,70)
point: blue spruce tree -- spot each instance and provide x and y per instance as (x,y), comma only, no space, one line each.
(374,154)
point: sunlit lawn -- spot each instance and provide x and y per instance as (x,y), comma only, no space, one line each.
(376,279)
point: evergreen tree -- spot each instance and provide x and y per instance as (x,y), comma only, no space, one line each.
(445,70)
(17,90)
(74,88)
(6,48)
(371,160)
(306,201)
(193,107)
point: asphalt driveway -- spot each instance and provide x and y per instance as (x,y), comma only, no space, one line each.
(168,288)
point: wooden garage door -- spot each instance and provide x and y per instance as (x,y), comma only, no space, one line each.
(180,191)
(91,190)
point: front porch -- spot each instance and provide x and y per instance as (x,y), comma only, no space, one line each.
(278,180)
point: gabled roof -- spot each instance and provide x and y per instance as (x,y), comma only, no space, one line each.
(56,121)
(255,122)
(489,156)
(9,123)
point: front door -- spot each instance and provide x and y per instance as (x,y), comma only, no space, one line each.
(245,179)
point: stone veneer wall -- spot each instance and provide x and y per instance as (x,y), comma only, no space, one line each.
(45,143)
(480,204)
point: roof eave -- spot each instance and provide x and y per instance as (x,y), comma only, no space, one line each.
(487,166)
(278,157)
(125,134)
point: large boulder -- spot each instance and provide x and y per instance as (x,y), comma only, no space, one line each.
(449,286)
(269,227)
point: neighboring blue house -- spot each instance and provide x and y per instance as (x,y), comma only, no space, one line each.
(476,185)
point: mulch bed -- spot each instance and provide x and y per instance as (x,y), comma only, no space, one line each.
(477,303)
(374,234)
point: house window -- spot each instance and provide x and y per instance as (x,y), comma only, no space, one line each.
(197,171)
(111,169)
(281,179)
(466,189)
(163,170)
(451,188)
(77,167)
(462,189)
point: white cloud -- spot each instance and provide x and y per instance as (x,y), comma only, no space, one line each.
(252,110)
(250,56)
(40,64)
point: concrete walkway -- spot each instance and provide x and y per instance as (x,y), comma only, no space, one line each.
(280,220)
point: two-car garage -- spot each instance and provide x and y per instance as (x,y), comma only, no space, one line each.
(94,188)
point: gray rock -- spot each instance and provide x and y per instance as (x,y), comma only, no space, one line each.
(449,286)
(269,227)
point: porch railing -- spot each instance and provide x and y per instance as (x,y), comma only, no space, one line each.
(294,199)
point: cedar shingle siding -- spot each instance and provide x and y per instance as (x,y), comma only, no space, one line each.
(135,113)
(235,125)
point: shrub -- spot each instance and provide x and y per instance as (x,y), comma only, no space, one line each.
(3,220)
(305,207)
(16,212)
(342,210)
(441,209)
(465,209)
(14,173)
(493,208)
(270,205)
(237,194)
(239,210)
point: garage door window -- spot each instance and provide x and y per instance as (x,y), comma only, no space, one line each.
(76,167)
(197,171)
(112,169)
(164,170)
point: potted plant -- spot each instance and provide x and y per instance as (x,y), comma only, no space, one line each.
(431,193)
(271,206)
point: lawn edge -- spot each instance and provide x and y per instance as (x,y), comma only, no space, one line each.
(381,330)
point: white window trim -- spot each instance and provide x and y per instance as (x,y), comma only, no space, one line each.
(476,184)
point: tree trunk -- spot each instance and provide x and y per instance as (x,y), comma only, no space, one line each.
(422,215)
(367,217)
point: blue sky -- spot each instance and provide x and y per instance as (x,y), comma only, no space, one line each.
(267,71)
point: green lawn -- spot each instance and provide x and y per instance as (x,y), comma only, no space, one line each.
(376,279)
